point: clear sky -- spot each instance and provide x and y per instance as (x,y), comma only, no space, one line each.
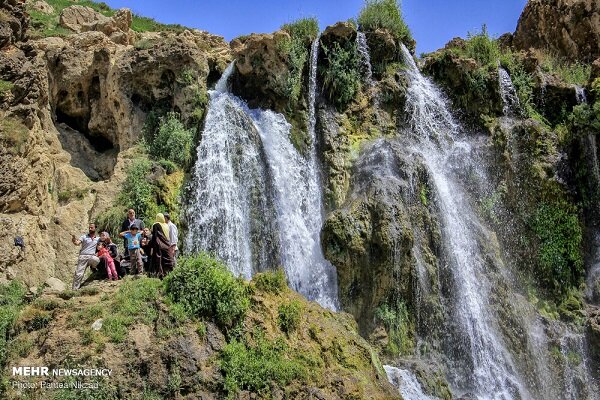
(432,22)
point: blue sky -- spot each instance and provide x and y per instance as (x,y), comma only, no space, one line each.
(433,22)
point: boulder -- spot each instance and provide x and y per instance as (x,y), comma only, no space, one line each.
(567,28)
(55,284)
(43,7)
(84,19)
(262,70)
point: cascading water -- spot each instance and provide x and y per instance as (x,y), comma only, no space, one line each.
(510,99)
(479,361)
(255,195)
(580,95)
(365,58)
(407,384)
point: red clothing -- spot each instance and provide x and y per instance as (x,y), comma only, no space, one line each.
(111,271)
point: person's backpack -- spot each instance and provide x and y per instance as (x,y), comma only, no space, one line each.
(20,242)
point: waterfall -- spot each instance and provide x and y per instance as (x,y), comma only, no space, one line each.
(479,360)
(510,99)
(256,200)
(407,384)
(365,58)
(580,96)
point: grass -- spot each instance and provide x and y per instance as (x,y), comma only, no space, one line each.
(253,366)
(13,134)
(289,316)
(398,325)
(11,301)
(271,281)
(46,25)
(5,87)
(573,73)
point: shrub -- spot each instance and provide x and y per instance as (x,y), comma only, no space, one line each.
(5,87)
(173,142)
(11,301)
(137,192)
(305,29)
(207,289)
(111,219)
(255,367)
(557,228)
(271,281)
(384,14)
(13,134)
(396,320)
(573,73)
(289,316)
(169,166)
(482,48)
(340,75)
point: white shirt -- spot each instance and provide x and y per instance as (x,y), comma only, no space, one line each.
(173,232)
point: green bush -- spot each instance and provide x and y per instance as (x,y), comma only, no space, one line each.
(384,14)
(206,289)
(173,142)
(289,316)
(557,228)
(397,323)
(255,367)
(138,193)
(271,281)
(482,48)
(304,29)
(169,166)
(573,73)
(11,300)
(5,87)
(111,219)
(341,76)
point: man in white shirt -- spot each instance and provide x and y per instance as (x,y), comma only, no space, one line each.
(87,254)
(173,232)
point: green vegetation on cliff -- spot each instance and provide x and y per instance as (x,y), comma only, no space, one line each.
(384,14)
(11,301)
(340,75)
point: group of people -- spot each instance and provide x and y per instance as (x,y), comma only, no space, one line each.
(152,251)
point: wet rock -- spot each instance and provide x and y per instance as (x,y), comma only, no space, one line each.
(593,333)
(569,28)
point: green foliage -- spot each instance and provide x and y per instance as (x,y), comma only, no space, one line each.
(341,76)
(5,87)
(254,367)
(143,44)
(205,288)
(482,48)
(296,52)
(397,323)
(13,134)
(173,142)
(573,73)
(384,14)
(111,219)
(586,117)
(134,302)
(289,316)
(145,24)
(11,300)
(557,228)
(138,193)
(271,281)
(169,166)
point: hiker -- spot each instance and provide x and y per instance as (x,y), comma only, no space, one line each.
(104,255)
(160,245)
(87,254)
(146,239)
(173,233)
(130,220)
(133,239)
(113,250)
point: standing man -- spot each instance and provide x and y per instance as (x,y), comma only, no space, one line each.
(173,232)
(87,254)
(130,220)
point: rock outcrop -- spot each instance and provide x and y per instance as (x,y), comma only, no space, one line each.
(73,109)
(85,19)
(567,28)
(172,357)
(13,22)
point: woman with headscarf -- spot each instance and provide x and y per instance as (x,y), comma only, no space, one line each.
(162,260)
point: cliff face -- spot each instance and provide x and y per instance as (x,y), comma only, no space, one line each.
(569,28)
(72,109)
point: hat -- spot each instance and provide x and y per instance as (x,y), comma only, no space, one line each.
(134,226)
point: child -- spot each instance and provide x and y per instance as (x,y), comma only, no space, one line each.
(108,261)
(134,239)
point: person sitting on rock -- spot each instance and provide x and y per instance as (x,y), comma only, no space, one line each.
(104,255)
(87,254)
(113,250)
(133,239)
